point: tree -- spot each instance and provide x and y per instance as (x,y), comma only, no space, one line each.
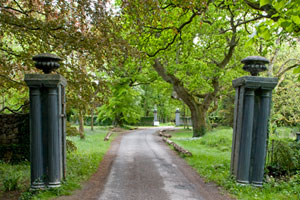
(195,46)
(83,33)
(280,13)
(122,106)
(285,97)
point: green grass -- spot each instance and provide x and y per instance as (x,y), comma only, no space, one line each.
(17,175)
(81,164)
(211,158)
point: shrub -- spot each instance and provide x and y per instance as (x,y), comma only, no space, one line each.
(10,182)
(72,131)
(70,146)
(284,157)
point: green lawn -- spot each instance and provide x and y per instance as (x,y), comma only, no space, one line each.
(81,164)
(211,158)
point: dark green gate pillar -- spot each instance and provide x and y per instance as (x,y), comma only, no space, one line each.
(155,122)
(47,123)
(251,115)
(36,140)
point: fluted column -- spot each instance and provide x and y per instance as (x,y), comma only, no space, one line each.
(54,149)
(260,137)
(246,138)
(36,144)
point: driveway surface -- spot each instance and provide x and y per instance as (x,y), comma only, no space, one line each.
(146,169)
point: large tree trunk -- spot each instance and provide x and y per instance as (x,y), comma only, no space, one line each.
(198,110)
(81,125)
(198,120)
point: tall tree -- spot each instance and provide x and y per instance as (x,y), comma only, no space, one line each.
(194,45)
(84,33)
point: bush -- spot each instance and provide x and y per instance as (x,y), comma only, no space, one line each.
(70,146)
(72,131)
(145,121)
(10,182)
(284,157)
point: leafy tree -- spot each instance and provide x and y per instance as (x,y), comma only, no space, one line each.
(122,106)
(195,46)
(157,94)
(283,14)
(285,97)
(83,33)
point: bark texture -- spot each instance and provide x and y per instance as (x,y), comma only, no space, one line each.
(198,110)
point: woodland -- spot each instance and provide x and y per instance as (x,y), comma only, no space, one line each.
(123,58)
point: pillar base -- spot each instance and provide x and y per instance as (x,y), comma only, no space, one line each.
(242,182)
(37,186)
(256,184)
(54,184)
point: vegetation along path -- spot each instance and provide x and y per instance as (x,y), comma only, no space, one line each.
(145,168)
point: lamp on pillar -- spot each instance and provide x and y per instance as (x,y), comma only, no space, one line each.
(255,64)
(46,62)
(251,115)
(47,123)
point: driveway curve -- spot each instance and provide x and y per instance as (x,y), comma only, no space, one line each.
(146,169)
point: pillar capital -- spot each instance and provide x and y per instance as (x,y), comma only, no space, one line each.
(44,80)
(255,82)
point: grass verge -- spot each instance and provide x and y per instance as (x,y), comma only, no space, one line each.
(81,164)
(211,158)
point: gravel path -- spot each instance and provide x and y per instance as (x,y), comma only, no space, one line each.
(139,166)
(145,169)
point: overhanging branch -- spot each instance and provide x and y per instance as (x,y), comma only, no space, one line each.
(175,36)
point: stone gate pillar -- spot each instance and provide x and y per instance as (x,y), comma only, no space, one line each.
(251,115)
(177,117)
(156,122)
(47,123)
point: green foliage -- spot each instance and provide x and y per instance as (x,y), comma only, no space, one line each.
(122,106)
(285,96)
(157,94)
(283,18)
(81,164)
(11,181)
(199,46)
(71,146)
(284,157)
(13,176)
(224,110)
(145,121)
(71,130)
(211,158)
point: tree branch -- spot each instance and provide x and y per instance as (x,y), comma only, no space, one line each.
(10,52)
(13,111)
(281,72)
(176,83)
(7,78)
(174,37)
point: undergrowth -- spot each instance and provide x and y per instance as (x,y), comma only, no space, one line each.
(211,158)
(82,162)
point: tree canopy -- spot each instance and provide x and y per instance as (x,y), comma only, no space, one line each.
(116,54)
